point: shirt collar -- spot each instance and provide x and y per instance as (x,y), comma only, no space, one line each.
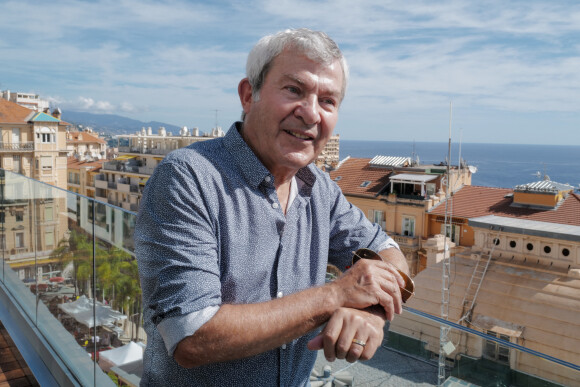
(248,163)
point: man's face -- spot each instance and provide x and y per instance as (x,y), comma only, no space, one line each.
(296,113)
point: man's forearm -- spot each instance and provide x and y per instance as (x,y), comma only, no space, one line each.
(239,331)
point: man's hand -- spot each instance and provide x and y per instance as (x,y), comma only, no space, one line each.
(368,283)
(347,325)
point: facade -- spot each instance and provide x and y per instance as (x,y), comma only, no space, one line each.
(28,100)
(85,146)
(329,157)
(397,194)
(33,146)
(82,175)
(121,181)
(516,276)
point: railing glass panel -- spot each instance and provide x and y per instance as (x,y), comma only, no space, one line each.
(68,261)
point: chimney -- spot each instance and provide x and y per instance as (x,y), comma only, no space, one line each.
(56,113)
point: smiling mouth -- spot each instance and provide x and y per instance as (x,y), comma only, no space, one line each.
(298,135)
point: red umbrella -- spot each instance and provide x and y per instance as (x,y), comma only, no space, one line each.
(57,279)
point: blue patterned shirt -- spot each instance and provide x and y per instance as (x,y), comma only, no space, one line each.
(211,231)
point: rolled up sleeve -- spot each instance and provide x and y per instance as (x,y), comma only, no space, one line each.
(177,254)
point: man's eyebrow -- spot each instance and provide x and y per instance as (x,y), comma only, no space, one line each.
(301,82)
(294,78)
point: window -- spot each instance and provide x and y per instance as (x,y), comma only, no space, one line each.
(46,135)
(48,213)
(2,242)
(19,240)
(16,164)
(513,244)
(19,215)
(547,249)
(496,351)
(377,217)
(408,226)
(49,238)
(451,232)
(365,183)
(46,163)
(565,252)
(496,241)
(530,247)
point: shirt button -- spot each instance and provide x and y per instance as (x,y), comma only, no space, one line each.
(268,179)
(274,205)
(283,346)
(280,294)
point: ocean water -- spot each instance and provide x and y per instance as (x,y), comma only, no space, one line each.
(498,165)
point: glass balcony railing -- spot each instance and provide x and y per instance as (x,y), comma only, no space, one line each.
(67,266)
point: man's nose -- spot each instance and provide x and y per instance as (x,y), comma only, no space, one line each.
(309,110)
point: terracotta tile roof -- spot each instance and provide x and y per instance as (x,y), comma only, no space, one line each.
(11,112)
(475,201)
(83,137)
(354,171)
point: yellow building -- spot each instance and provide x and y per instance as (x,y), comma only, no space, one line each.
(85,146)
(396,193)
(33,221)
(515,274)
(121,181)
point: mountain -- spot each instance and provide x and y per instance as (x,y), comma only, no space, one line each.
(113,124)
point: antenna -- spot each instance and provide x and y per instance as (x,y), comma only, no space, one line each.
(445,266)
(216,118)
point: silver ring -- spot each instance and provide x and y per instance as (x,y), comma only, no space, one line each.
(359,342)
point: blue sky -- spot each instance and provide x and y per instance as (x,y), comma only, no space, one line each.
(510,68)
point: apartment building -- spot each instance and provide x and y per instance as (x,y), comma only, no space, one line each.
(28,100)
(33,145)
(329,158)
(85,145)
(397,193)
(515,275)
(121,181)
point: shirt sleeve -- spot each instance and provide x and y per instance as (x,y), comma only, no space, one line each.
(177,253)
(351,230)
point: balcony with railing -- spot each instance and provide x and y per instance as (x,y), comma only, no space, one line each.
(66,308)
(17,146)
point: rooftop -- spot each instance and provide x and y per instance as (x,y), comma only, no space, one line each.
(354,172)
(476,201)
(11,112)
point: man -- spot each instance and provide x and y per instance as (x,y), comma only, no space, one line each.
(234,236)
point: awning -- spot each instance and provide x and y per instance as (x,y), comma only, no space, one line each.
(411,178)
(143,181)
(125,157)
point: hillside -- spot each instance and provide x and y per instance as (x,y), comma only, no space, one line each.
(113,124)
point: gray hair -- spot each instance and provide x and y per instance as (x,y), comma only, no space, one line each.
(316,45)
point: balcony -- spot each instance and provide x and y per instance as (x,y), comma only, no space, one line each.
(16,146)
(36,317)
(406,241)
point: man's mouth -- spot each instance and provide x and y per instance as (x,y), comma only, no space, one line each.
(298,135)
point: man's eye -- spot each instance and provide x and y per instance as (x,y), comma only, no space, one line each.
(293,89)
(328,101)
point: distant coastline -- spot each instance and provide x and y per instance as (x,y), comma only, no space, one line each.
(499,165)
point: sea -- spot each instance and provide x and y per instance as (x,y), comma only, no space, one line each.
(498,165)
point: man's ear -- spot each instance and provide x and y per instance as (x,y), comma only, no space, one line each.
(245,93)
